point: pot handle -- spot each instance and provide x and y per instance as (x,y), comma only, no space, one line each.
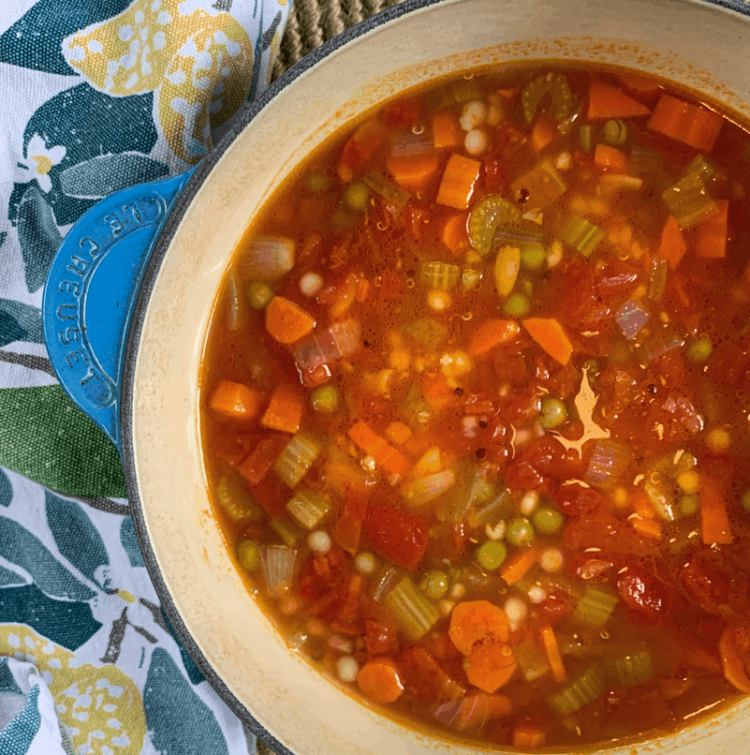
(91,292)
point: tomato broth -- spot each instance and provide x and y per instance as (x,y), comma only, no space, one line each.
(475,404)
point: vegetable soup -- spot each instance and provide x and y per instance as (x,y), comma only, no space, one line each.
(475,408)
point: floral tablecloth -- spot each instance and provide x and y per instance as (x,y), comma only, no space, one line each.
(96,95)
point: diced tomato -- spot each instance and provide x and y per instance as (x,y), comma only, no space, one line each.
(263,457)
(233,448)
(590,566)
(494,174)
(577,500)
(360,148)
(604,531)
(402,113)
(556,607)
(396,535)
(449,540)
(322,575)
(348,526)
(271,494)
(381,636)
(643,593)
(391,286)
(707,584)
(425,678)
(521,475)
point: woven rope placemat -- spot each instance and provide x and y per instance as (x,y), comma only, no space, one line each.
(312,22)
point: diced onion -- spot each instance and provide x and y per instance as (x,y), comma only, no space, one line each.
(461,714)
(268,258)
(631,317)
(278,567)
(608,462)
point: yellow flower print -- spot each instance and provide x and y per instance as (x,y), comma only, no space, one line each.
(129,53)
(41,159)
(207,80)
(100,706)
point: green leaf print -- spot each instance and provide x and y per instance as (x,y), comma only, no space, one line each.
(19,322)
(6,489)
(75,536)
(38,236)
(106,174)
(47,438)
(9,578)
(129,542)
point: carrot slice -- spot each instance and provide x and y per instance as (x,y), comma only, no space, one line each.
(457,185)
(413,172)
(286,321)
(390,460)
(511,571)
(606,101)
(445,130)
(690,124)
(362,145)
(551,336)
(610,159)
(527,735)
(672,247)
(492,333)
(475,621)
(285,409)
(455,235)
(647,527)
(543,133)
(553,654)
(235,400)
(380,681)
(734,647)
(711,233)
(639,86)
(490,666)
(715,526)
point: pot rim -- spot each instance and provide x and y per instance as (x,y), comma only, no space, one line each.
(161,247)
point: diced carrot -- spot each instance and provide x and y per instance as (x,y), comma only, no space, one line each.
(690,124)
(491,333)
(476,621)
(551,336)
(445,130)
(380,681)
(286,321)
(490,666)
(507,94)
(455,236)
(672,247)
(398,433)
(715,526)
(527,735)
(363,290)
(235,400)
(436,391)
(734,647)
(360,148)
(459,179)
(514,569)
(610,159)
(391,461)
(543,133)
(647,527)
(285,409)
(553,653)
(413,172)
(347,529)
(263,457)
(606,101)
(710,240)
(640,86)
(641,503)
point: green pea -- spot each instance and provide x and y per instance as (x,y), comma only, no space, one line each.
(259,295)
(248,554)
(516,305)
(700,349)
(533,256)
(325,399)
(746,500)
(615,133)
(317,182)
(554,413)
(356,195)
(688,505)
(591,368)
(490,555)
(520,532)
(434,584)
(548,520)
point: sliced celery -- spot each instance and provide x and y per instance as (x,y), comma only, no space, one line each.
(531,659)
(461,90)
(540,187)
(496,507)
(427,332)
(596,605)
(439,276)
(388,190)
(581,234)
(309,507)
(414,612)
(688,200)
(297,458)
(237,501)
(288,533)
(583,690)
(486,216)
(710,173)
(630,669)
(472,487)
(415,408)
(552,84)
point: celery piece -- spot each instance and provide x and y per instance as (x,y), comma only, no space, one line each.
(583,690)
(661,496)
(427,332)
(439,276)
(237,501)
(460,90)
(615,133)
(259,295)
(531,660)
(309,507)
(297,458)
(540,187)
(356,195)
(287,532)
(522,233)
(388,190)
(236,308)
(596,605)
(586,138)
(629,669)
(581,234)
(645,160)
(414,612)
(553,84)
(497,506)
(487,215)
(658,281)
(427,489)
(688,200)
(470,279)
(709,172)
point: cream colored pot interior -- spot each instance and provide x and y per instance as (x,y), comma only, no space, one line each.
(691,43)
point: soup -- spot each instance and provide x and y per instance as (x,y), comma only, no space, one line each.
(475,407)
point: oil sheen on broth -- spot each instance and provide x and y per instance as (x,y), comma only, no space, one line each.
(475,407)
